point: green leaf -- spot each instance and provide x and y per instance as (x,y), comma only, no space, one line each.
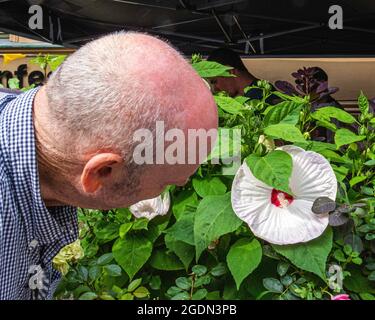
(127,296)
(183,229)
(209,69)
(83,273)
(310,256)
(183,251)
(94,272)
(371,276)
(203,281)
(241,99)
(363,104)
(339,255)
(132,252)
(214,218)
(155,283)
(286,280)
(367,296)
(199,270)
(357,180)
(184,199)
(229,104)
(326,113)
(225,146)
(183,283)
(140,224)
(282,268)
(199,294)
(156,227)
(219,270)
(56,61)
(273,285)
(345,136)
(172,291)
(243,258)
(88,296)
(335,157)
(163,260)
(285,131)
(108,232)
(340,172)
(181,296)
(134,284)
(209,186)
(284,112)
(316,146)
(141,292)
(105,259)
(274,169)
(326,124)
(14,83)
(124,228)
(370,163)
(113,270)
(357,282)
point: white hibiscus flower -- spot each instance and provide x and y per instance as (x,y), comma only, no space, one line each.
(280,218)
(151,208)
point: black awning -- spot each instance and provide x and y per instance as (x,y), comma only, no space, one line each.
(264,27)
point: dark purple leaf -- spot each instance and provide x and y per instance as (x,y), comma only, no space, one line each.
(285,87)
(296,75)
(300,88)
(332,90)
(323,86)
(323,205)
(337,218)
(345,208)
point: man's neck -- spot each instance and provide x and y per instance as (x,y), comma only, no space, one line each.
(51,178)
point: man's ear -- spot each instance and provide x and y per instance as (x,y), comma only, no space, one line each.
(97,169)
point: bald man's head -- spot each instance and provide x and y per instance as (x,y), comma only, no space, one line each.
(110,89)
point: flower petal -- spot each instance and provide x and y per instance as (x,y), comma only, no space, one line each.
(151,208)
(312,177)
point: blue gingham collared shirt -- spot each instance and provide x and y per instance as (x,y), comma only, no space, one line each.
(30,233)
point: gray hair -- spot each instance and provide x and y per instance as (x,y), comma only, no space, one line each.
(113,86)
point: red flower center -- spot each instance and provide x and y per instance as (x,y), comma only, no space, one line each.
(281,199)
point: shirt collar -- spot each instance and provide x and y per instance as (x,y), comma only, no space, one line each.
(21,162)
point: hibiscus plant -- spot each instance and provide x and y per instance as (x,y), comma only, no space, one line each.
(296,220)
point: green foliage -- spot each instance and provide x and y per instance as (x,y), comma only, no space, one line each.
(128,259)
(214,218)
(274,169)
(345,136)
(310,256)
(209,69)
(132,252)
(284,131)
(244,250)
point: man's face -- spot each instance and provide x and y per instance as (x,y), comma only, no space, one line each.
(155,179)
(226,84)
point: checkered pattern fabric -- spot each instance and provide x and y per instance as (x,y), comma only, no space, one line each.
(30,233)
